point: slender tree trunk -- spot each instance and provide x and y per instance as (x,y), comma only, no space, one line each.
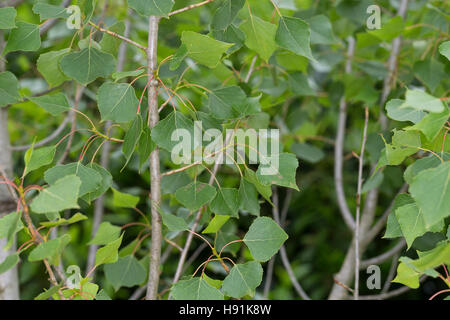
(155,174)
(9,281)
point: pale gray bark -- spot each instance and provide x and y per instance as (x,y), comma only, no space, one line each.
(155,173)
(9,281)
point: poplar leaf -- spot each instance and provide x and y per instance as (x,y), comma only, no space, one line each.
(293,34)
(195,289)
(264,238)
(61,195)
(243,279)
(87,65)
(25,37)
(7,18)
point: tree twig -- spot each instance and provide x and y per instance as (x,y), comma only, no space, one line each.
(190,7)
(114,34)
(339,147)
(384,256)
(155,173)
(358,202)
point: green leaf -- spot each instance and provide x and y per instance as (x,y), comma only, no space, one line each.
(9,89)
(422,164)
(87,65)
(25,37)
(50,250)
(47,11)
(124,200)
(47,294)
(260,36)
(61,195)
(430,72)
(432,124)
(230,103)
(109,253)
(216,223)
(204,49)
(54,104)
(62,221)
(146,8)
(393,229)
(307,152)
(248,197)
(117,102)
(433,258)
(111,44)
(195,195)
(299,84)
(444,49)
(321,30)
(373,182)
(243,279)
(390,30)
(282,173)
(412,223)
(10,224)
(145,146)
(293,34)
(226,13)
(431,190)
(195,289)
(407,276)
(106,233)
(420,100)
(102,295)
(125,74)
(105,184)
(396,111)
(169,128)
(264,189)
(7,18)
(215,283)
(90,179)
(37,158)
(404,144)
(264,238)
(226,202)
(173,223)
(126,272)
(11,260)
(132,138)
(48,66)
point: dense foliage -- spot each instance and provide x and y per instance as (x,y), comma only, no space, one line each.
(96,95)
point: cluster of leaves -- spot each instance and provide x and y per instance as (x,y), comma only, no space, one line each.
(232,64)
(69,186)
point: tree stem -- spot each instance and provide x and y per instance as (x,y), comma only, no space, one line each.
(155,174)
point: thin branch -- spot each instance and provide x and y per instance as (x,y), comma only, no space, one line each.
(250,70)
(192,6)
(339,147)
(358,202)
(155,173)
(391,274)
(114,34)
(383,257)
(284,258)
